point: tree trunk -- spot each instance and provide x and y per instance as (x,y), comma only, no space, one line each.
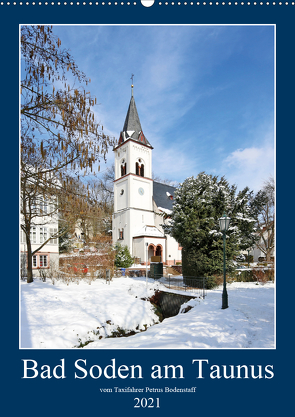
(29,260)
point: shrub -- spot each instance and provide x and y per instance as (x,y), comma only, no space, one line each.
(254,275)
(214,281)
(243,276)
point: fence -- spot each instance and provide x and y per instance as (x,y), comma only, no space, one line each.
(196,285)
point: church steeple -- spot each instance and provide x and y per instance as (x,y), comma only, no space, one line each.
(132,127)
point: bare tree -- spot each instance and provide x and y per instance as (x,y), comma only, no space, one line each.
(265,219)
(165,181)
(60,138)
(96,219)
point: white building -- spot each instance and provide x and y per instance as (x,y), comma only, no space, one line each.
(43,226)
(140,202)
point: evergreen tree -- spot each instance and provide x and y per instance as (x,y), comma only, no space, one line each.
(65,242)
(198,204)
(123,258)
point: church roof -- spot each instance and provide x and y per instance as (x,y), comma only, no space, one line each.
(132,127)
(163,196)
(149,231)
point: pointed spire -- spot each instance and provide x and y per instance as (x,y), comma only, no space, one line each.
(132,122)
(132,126)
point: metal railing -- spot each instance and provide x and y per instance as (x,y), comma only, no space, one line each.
(188,284)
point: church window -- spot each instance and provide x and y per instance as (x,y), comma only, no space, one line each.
(123,168)
(121,234)
(159,251)
(139,168)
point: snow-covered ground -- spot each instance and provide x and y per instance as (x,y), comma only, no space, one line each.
(62,316)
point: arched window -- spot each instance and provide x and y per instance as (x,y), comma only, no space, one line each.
(139,168)
(123,168)
(159,251)
(151,251)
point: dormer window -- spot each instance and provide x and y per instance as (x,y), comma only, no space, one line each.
(141,137)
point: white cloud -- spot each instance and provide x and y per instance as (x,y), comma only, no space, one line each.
(250,166)
(247,157)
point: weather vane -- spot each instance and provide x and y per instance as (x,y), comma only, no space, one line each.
(132,75)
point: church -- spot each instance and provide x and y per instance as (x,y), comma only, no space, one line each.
(141,205)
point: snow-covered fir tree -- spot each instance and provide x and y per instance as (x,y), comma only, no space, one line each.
(123,258)
(198,204)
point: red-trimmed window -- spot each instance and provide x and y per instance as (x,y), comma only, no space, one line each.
(43,261)
(40,261)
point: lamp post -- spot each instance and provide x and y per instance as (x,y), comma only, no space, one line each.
(146,264)
(223,224)
(249,250)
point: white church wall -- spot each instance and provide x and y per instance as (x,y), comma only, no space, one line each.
(138,249)
(141,193)
(173,251)
(121,194)
(131,221)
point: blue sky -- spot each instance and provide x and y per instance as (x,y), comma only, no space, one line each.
(204,94)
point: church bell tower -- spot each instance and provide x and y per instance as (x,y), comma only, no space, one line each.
(133,185)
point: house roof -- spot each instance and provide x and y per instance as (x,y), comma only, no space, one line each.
(132,126)
(163,195)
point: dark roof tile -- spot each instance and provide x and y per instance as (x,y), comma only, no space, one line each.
(162,195)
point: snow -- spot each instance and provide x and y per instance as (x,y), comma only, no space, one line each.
(130,132)
(149,231)
(164,210)
(60,316)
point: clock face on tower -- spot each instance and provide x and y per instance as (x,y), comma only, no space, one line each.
(141,191)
